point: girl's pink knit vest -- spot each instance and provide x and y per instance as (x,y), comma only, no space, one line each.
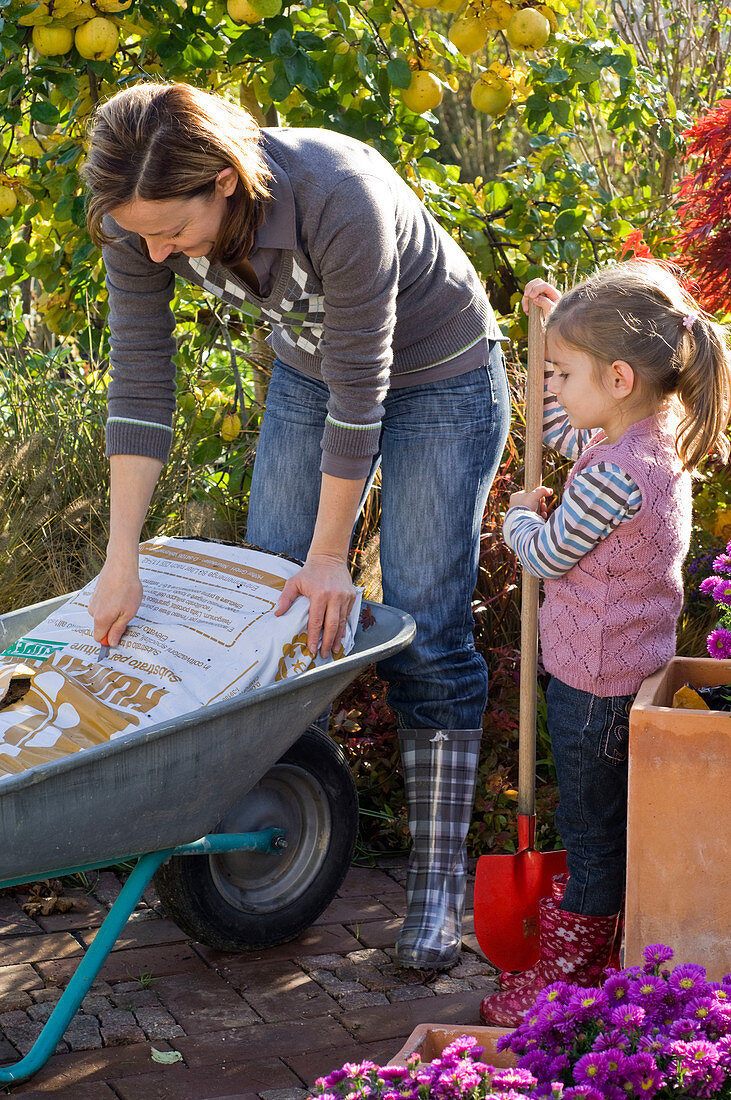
(610,621)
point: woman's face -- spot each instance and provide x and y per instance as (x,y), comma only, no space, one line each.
(178,225)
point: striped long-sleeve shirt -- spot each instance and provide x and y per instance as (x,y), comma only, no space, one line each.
(596,502)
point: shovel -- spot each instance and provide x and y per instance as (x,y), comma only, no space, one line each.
(509,887)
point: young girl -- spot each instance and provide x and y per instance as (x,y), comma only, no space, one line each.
(628,352)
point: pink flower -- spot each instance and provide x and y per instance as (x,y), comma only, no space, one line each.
(719,644)
(708,586)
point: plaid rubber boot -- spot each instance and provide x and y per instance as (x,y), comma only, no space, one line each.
(574,948)
(440,772)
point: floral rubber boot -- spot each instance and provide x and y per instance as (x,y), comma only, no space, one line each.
(574,948)
(510,979)
(440,772)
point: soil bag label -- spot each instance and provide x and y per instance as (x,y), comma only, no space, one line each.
(205,632)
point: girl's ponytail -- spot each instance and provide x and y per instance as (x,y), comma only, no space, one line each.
(704,389)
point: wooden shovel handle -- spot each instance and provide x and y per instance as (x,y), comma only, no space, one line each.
(529,598)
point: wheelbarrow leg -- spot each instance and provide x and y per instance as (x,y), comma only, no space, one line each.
(265,840)
(87,969)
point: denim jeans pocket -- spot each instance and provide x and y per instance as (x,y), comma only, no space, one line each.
(613,744)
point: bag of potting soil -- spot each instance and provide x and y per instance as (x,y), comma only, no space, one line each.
(205,632)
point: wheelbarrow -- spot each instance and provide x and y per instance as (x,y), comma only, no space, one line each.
(269,811)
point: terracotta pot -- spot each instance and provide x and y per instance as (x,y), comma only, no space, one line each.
(429,1040)
(679,821)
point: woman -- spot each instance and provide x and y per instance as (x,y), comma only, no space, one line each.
(385,344)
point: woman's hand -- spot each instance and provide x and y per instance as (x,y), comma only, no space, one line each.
(325,581)
(115,599)
(542,293)
(535,501)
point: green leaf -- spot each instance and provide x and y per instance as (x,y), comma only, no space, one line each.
(306,40)
(280,86)
(43,111)
(399,72)
(166,1057)
(622,64)
(364,65)
(569,222)
(556,75)
(561,111)
(282,44)
(13,78)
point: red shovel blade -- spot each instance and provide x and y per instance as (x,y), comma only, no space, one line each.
(507,891)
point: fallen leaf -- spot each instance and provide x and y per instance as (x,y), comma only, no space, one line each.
(166,1056)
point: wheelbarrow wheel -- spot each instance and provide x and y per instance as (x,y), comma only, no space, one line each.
(243,901)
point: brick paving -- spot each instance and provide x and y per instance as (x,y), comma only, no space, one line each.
(260,1025)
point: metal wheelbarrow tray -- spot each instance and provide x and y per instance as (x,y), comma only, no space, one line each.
(162,792)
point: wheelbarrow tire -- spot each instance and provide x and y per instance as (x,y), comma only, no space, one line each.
(244,901)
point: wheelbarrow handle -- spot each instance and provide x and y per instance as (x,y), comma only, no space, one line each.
(530,584)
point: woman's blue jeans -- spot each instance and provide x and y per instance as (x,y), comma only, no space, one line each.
(590,742)
(441,443)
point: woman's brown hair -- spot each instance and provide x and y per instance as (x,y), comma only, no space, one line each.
(170,141)
(640,313)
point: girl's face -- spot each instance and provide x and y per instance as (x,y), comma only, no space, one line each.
(190,226)
(589,399)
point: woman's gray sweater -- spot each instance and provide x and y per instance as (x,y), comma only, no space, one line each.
(361,286)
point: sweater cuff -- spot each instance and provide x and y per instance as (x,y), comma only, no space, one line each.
(513,516)
(350,440)
(352,469)
(126,436)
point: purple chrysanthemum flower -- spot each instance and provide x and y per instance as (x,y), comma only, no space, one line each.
(592,1068)
(655,1044)
(684,1028)
(657,953)
(707,1011)
(722,592)
(718,643)
(688,980)
(582,1092)
(636,1067)
(585,1004)
(608,1040)
(708,584)
(627,1016)
(330,1080)
(616,989)
(649,991)
(536,1062)
(722,564)
(555,992)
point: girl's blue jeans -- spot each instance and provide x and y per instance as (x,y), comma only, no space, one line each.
(441,443)
(590,742)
